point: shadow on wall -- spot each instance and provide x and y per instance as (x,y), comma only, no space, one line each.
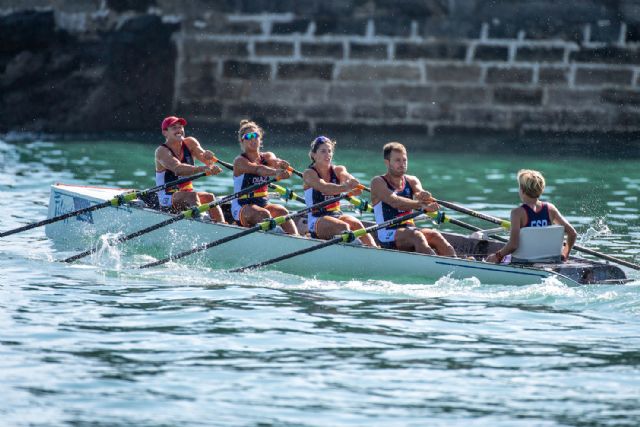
(53,80)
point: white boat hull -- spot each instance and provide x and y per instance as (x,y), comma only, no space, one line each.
(341,261)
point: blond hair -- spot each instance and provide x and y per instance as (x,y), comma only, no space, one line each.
(246,126)
(531,182)
(392,146)
(316,143)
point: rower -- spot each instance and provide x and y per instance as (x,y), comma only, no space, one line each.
(534,213)
(322,181)
(396,194)
(174,159)
(252,167)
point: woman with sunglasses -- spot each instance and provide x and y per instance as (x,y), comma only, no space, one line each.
(252,167)
(322,181)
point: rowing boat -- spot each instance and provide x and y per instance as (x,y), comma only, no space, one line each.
(341,261)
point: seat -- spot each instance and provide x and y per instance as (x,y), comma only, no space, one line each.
(539,244)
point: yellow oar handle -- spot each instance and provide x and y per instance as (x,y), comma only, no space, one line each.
(356,234)
(123,198)
(358,203)
(271,223)
(288,194)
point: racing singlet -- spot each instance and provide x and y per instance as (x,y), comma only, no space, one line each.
(259,197)
(313,196)
(537,219)
(383,212)
(164,196)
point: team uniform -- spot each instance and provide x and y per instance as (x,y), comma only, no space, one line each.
(165,197)
(313,196)
(259,197)
(384,212)
(537,219)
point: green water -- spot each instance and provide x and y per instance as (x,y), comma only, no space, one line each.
(105,344)
(597,193)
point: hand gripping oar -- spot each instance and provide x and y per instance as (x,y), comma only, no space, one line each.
(342,238)
(288,194)
(261,226)
(116,201)
(182,215)
(506,224)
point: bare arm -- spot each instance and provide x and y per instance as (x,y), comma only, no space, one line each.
(166,160)
(347,182)
(205,156)
(381,193)
(557,218)
(243,165)
(514,236)
(419,193)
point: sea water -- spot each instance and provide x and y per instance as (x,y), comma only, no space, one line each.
(100,343)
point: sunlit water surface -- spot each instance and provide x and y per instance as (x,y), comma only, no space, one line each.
(106,345)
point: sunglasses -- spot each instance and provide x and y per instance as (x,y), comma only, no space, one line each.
(250,135)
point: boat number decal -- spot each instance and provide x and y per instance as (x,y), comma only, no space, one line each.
(79,203)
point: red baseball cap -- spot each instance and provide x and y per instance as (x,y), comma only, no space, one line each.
(172,120)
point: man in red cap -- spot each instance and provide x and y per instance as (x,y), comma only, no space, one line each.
(174,159)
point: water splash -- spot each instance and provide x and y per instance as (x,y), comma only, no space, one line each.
(597,229)
(108,255)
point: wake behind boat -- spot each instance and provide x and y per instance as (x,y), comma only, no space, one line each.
(342,261)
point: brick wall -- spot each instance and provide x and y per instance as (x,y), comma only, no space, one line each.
(436,65)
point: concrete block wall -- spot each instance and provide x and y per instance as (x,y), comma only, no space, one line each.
(279,68)
(434,66)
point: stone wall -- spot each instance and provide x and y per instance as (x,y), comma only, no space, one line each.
(433,66)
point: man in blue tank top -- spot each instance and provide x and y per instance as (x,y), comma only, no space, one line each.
(175,159)
(396,194)
(533,213)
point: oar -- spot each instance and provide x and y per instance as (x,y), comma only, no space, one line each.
(506,224)
(261,226)
(189,213)
(342,238)
(501,222)
(440,217)
(116,201)
(287,194)
(291,195)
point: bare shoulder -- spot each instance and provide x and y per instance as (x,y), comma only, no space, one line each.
(518,212)
(376,179)
(191,142)
(413,179)
(340,169)
(163,151)
(378,183)
(554,213)
(240,159)
(414,182)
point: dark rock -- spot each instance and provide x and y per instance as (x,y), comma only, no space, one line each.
(56,82)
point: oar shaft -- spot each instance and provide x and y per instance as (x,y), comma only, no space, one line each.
(342,238)
(184,214)
(116,201)
(122,239)
(264,225)
(287,256)
(201,247)
(501,222)
(506,224)
(56,219)
(607,257)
